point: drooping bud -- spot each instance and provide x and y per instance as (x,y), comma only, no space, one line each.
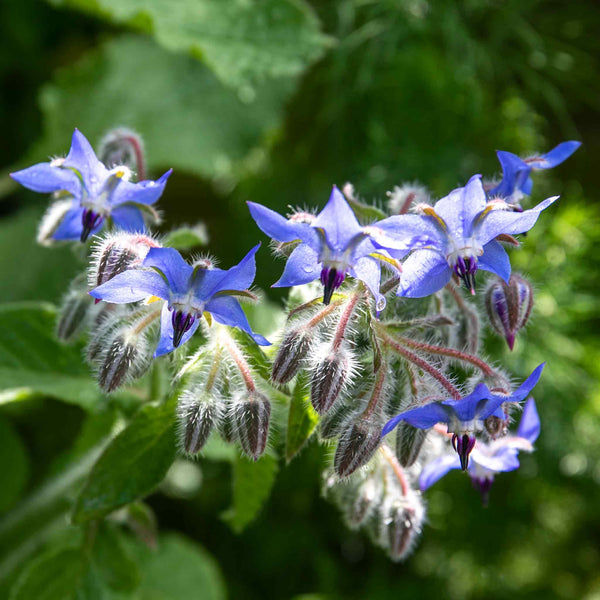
(123,146)
(251,419)
(409,441)
(403,520)
(226,425)
(51,220)
(329,377)
(117,253)
(509,306)
(368,496)
(73,314)
(293,349)
(356,447)
(198,414)
(463,444)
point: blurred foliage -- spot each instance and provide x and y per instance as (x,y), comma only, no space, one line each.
(229,94)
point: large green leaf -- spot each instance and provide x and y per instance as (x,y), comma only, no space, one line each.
(188,119)
(32,361)
(14,465)
(242,41)
(252,483)
(133,464)
(302,418)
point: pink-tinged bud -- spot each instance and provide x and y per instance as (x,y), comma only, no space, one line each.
(509,306)
(293,349)
(402,525)
(356,447)
(409,441)
(329,377)
(198,414)
(251,419)
(73,314)
(123,147)
(117,253)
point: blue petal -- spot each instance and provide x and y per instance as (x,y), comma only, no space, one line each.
(505,221)
(530,426)
(338,222)
(479,404)
(505,459)
(422,417)
(406,232)
(461,206)
(557,155)
(515,172)
(437,468)
(131,286)
(369,272)
(527,386)
(302,267)
(495,259)
(144,192)
(44,178)
(173,267)
(227,311)
(129,218)
(71,226)
(279,228)
(82,158)
(165,343)
(424,272)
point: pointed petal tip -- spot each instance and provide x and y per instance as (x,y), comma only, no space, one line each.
(510,340)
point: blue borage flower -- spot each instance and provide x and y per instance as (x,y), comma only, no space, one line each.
(462,228)
(98,193)
(189,292)
(487,460)
(333,244)
(516,172)
(464,417)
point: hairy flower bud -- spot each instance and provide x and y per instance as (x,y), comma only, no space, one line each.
(73,314)
(117,253)
(292,351)
(329,377)
(51,220)
(356,447)
(251,420)
(122,146)
(367,497)
(409,441)
(401,526)
(495,426)
(509,306)
(226,425)
(198,413)
(402,198)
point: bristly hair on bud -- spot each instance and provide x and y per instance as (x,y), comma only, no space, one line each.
(73,313)
(409,442)
(402,521)
(52,219)
(357,445)
(251,416)
(198,411)
(332,371)
(509,305)
(123,146)
(293,350)
(403,198)
(115,253)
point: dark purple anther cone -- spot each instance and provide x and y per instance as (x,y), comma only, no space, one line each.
(331,280)
(465,268)
(181,323)
(483,485)
(90,220)
(463,444)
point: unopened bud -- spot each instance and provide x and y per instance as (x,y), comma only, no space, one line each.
(198,414)
(509,306)
(292,351)
(409,441)
(402,198)
(251,419)
(329,377)
(125,358)
(356,447)
(51,220)
(72,314)
(368,496)
(117,253)
(402,526)
(495,426)
(226,425)
(122,146)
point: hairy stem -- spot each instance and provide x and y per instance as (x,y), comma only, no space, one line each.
(240,362)
(345,320)
(396,468)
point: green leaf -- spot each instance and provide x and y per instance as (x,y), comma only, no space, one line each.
(177,570)
(366,212)
(188,119)
(55,575)
(113,561)
(14,465)
(32,361)
(186,238)
(302,418)
(252,483)
(242,42)
(132,465)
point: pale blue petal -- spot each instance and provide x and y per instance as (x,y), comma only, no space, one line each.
(44,178)
(495,259)
(227,311)
(424,272)
(502,461)
(302,267)
(131,286)
(144,192)
(71,226)
(436,469)
(82,158)
(173,267)
(368,271)
(281,229)
(402,232)
(165,343)
(530,426)
(129,218)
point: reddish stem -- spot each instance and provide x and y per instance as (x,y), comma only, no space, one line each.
(241,363)
(398,470)
(344,321)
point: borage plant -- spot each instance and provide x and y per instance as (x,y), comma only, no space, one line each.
(378,355)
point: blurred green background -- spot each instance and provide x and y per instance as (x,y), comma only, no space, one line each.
(274,102)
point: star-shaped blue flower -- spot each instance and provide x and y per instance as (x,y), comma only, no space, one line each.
(465,416)
(462,228)
(188,292)
(516,172)
(333,244)
(499,456)
(98,194)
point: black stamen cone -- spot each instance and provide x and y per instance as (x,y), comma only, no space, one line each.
(329,286)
